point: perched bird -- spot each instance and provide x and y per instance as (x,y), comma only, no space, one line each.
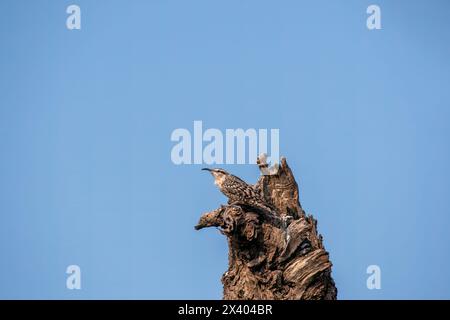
(238,191)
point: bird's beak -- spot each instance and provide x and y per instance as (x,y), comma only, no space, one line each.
(207,169)
(198,227)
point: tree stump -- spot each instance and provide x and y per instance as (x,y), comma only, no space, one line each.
(276,258)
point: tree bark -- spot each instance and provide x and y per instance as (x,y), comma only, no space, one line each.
(273,257)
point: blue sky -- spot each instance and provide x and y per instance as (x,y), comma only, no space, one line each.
(86,117)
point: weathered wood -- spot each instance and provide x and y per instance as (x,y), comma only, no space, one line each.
(273,257)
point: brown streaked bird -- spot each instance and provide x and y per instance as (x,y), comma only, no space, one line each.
(238,191)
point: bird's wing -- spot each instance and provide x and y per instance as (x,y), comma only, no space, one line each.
(241,189)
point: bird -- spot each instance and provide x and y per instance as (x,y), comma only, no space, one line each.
(238,191)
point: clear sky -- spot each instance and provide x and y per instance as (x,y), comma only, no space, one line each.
(86,116)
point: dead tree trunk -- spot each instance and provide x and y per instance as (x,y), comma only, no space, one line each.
(281,258)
